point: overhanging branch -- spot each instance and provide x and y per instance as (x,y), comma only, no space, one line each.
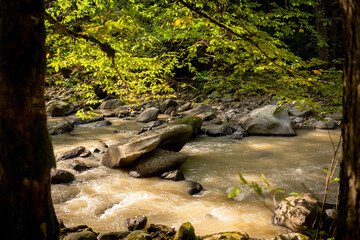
(105,47)
(223,26)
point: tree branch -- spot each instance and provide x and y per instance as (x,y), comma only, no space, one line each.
(105,47)
(223,26)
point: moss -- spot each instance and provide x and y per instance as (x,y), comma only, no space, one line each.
(194,121)
(186,232)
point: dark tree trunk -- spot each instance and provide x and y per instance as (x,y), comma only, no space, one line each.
(349,208)
(26,154)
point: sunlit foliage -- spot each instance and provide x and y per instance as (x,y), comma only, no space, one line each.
(162,46)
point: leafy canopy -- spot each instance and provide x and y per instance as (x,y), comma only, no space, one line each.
(163,46)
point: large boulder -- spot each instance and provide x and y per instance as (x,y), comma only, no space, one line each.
(171,138)
(148,115)
(194,121)
(157,162)
(60,108)
(297,213)
(60,127)
(111,104)
(268,120)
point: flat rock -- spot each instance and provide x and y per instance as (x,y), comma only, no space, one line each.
(71,153)
(171,138)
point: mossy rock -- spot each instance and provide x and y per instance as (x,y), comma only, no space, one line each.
(227,236)
(186,232)
(194,121)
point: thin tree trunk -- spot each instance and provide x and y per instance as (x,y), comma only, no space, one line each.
(349,208)
(26,154)
(320,15)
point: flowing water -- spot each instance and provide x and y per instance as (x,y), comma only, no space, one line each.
(103,198)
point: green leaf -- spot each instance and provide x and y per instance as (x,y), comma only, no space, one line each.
(264,178)
(256,188)
(242,179)
(336,179)
(296,194)
(233,192)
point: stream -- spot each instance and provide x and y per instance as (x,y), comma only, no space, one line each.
(103,198)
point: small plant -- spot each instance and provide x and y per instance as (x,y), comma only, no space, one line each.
(260,191)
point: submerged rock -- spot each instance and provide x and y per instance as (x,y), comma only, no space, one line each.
(268,120)
(171,138)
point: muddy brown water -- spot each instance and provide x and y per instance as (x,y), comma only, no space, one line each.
(103,198)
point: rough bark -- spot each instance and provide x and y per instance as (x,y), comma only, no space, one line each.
(26,154)
(349,208)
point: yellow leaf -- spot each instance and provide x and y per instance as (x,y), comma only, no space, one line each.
(177,22)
